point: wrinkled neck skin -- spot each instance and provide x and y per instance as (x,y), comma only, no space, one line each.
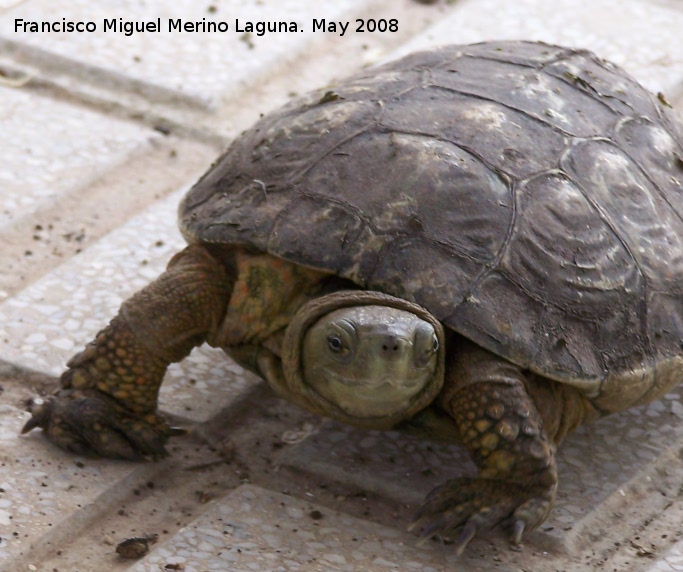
(562,407)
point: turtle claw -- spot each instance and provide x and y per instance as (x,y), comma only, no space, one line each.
(517,531)
(34,422)
(89,422)
(467,533)
(462,508)
(176,431)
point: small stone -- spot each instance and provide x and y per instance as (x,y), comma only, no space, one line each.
(136,547)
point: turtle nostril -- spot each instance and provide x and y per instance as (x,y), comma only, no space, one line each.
(392,345)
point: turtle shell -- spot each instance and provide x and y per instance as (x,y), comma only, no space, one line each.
(529,196)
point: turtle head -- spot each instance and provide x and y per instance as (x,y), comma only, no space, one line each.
(364,357)
(371,361)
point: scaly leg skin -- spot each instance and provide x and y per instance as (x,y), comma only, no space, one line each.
(503,430)
(108,402)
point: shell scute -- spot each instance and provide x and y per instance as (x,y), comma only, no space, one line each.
(560,236)
(529,196)
(479,125)
(643,215)
(531,92)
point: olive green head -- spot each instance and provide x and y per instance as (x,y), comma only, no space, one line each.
(370,361)
(365,358)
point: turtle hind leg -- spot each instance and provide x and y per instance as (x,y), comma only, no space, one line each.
(108,402)
(503,431)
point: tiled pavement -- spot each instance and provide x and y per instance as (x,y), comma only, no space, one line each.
(100,134)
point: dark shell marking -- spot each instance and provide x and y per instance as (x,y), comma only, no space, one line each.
(528,195)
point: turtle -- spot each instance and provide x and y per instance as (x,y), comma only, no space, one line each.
(481,242)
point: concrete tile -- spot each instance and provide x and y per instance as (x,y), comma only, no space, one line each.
(49,321)
(7,4)
(596,463)
(50,148)
(254,529)
(672,561)
(199,69)
(46,493)
(204,384)
(44,325)
(641,36)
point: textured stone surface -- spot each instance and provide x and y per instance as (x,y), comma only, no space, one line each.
(44,494)
(62,136)
(50,149)
(43,326)
(671,562)
(643,37)
(595,463)
(208,69)
(257,529)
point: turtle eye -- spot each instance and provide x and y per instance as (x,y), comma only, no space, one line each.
(341,340)
(425,344)
(335,343)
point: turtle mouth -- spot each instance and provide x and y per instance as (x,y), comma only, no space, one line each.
(365,397)
(382,385)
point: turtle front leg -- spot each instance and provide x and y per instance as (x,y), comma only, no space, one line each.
(502,428)
(108,402)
